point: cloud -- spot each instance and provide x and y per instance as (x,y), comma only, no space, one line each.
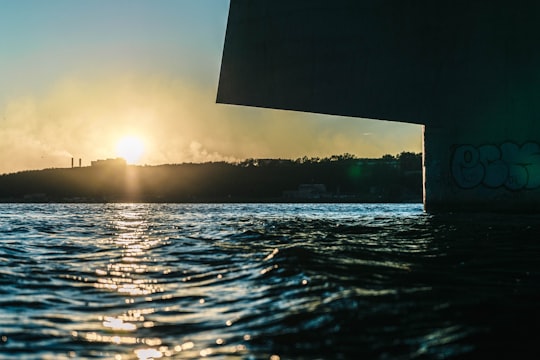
(199,154)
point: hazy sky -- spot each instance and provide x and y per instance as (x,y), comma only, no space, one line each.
(78,76)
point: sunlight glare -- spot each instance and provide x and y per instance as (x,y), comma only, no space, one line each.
(130,148)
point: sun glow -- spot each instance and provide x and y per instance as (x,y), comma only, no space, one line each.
(131,148)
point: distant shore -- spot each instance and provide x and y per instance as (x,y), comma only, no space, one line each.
(356,200)
(338,179)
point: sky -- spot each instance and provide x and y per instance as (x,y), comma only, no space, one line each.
(80,78)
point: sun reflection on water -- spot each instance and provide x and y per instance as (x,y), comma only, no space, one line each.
(148,354)
(124,273)
(131,272)
(140,301)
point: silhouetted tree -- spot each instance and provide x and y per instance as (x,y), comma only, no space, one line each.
(386,179)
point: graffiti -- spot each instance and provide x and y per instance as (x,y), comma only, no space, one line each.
(508,165)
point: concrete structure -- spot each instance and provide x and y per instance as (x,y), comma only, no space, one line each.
(469,70)
(308,192)
(110,163)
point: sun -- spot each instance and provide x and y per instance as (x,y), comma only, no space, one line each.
(131,148)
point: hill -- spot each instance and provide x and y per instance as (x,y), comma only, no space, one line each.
(339,178)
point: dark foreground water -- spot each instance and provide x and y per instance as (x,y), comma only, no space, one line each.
(264,281)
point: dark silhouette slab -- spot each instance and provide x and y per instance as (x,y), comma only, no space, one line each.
(419,61)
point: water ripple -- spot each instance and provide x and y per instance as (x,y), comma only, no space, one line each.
(236,281)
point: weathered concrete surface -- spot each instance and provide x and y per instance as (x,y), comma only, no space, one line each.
(467,69)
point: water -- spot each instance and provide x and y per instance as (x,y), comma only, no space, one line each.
(265,281)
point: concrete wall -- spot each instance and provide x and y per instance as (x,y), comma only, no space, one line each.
(467,69)
(479,167)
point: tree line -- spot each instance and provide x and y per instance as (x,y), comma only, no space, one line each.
(336,178)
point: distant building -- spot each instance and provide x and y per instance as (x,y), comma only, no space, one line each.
(110,163)
(36,197)
(308,191)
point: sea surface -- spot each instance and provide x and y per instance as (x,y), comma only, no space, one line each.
(266,281)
